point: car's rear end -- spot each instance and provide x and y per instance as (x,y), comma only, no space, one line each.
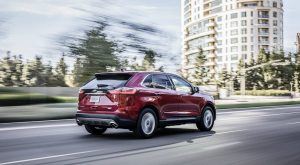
(105,100)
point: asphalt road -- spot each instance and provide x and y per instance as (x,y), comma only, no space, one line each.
(249,136)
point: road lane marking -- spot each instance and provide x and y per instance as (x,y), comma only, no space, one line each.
(126,153)
(214,147)
(49,157)
(293,123)
(256,110)
(36,127)
(248,117)
(227,132)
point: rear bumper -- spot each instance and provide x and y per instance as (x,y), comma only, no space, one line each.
(105,120)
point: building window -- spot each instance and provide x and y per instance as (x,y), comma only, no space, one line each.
(219,50)
(244,39)
(275,40)
(220,58)
(234,40)
(244,56)
(220,27)
(244,48)
(234,57)
(234,24)
(234,32)
(244,14)
(244,31)
(275,31)
(275,14)
(244,22)
(220,19)
(275,23)
(275,4)
(234,49)
(219,42)
(234,15)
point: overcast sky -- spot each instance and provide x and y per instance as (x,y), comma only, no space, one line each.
(32,27)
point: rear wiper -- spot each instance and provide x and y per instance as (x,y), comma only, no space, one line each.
(105,86)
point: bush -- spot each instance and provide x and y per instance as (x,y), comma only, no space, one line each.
(31,98)
(266,93)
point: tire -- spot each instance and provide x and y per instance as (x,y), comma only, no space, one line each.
(147,124)
(95,130)
(206,122)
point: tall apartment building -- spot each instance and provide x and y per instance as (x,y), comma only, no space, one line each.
(228,30)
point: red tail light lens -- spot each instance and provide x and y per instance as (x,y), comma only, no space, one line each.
(81,94)
(125,91)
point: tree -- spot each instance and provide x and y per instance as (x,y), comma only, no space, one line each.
(16,76)
(33,73)
(95,52)
(201,72)
(263,56)
(77,72)
(224,79)
(148,63)
(60,72)
(6,70)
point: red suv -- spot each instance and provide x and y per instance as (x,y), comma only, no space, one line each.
(142,102)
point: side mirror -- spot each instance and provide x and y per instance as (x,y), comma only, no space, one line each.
(196,90)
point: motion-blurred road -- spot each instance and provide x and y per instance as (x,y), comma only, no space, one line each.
(249,136)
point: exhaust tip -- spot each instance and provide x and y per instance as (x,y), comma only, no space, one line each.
(113,124)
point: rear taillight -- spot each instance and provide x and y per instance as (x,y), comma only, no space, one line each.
(125,91)
(81,94)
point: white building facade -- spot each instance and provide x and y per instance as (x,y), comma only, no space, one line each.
(229,30)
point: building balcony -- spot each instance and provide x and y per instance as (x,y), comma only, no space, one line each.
(263,33)
(264,42)
(207,33)
(186,53)
(263,16)
(209,48)
(206,1)
(211,24)
(263,24)
(210,63)
(211,55)
(211,39)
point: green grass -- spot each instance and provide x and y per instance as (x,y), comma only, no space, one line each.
(253,105)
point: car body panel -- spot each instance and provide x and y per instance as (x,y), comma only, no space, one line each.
(170,105)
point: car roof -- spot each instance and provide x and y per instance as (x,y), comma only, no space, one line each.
(129,72)
(136,72)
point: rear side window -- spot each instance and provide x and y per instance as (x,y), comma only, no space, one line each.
(108,81)
(157,81)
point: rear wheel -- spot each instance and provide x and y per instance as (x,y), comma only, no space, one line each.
(206,122)
(147,124)
(95,130)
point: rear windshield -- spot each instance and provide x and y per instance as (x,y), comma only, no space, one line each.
(108,81)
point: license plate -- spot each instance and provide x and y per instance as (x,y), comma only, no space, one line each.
(95,99)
